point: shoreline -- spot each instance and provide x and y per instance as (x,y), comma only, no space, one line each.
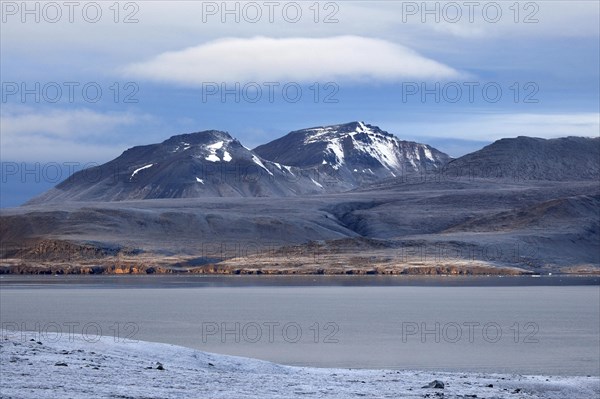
(132,268)
(254,268)
(75,367)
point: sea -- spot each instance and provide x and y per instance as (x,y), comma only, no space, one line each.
(548,325)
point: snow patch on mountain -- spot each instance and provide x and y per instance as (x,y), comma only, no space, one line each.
(316,183)
(360,141)
(212,148)
(217,152)
(135,172)
(335,147)
(318,133)
(381,148)
(216,146)
(427,152)
(186,146)
(261,164)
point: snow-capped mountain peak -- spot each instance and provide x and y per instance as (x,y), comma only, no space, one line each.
(358,149)
(213,163)
(213,146)
(338,131)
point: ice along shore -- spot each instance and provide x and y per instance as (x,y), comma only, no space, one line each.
(104,368)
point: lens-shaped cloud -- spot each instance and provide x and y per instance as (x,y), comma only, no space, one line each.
(263,59)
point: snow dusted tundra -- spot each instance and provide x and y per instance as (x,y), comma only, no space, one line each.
(72,367)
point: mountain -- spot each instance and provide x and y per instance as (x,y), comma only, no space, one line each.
(176,219)
(318,160)
(214,164)
(354,152)
(529,158)
(203,164)
(427,228)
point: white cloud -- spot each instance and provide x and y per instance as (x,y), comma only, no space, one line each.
(64,49)
(62,135)
(263,59)
(62,123)
(57,150)
(493,127)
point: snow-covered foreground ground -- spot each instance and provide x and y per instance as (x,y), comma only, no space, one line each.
(75,368)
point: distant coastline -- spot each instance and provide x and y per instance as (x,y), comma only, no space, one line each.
(216,269)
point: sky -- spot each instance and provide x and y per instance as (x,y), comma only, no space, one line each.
(84,81)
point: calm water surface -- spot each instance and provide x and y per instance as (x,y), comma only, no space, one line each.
(548,325)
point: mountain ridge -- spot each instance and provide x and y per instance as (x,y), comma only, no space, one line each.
(317,160)
(360,152)
(213,163)
(532,158)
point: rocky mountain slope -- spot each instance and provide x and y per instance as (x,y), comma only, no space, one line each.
(455,228)
(530,158)
(214,164)
(204,203)
(354,152)
(203,164)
